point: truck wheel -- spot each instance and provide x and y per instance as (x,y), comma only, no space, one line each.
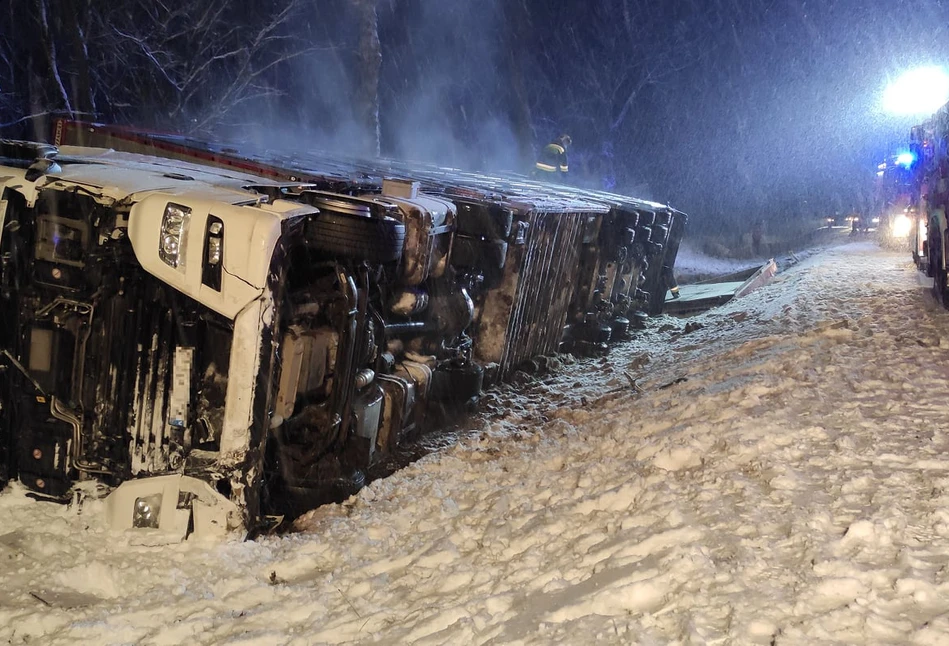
(660,233)
(938,274)
(940,288)
(596,332)
(646,218)
(375,239)
(939,279)
(638,320)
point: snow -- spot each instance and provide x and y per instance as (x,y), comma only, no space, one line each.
(780,477)
(692,262)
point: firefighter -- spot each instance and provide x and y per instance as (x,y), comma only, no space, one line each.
(553,158)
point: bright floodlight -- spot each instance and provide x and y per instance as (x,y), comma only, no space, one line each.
(920,91)
(905,159)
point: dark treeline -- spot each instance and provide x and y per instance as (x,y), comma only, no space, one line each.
(472,83)
(729,109)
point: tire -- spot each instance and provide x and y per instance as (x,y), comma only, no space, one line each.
(483,220)
(596,332)
(652,249)
(931,251)
(378,240)
(660,233)
(940,276)
(638,320)
(936,270)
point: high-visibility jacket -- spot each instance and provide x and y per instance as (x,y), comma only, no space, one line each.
(553,159)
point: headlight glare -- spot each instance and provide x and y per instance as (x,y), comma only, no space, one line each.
(901,226)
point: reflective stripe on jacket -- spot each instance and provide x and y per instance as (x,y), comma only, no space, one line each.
(553,158)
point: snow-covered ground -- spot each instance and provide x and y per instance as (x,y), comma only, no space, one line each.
(692,262)
(780,477)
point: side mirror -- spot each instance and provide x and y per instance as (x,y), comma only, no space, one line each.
(41,167)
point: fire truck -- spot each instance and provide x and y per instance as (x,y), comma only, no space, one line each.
(929,195)
(896,201)
(921,146)
(229,336)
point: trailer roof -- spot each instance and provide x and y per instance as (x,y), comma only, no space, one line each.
(350,174)
(119,175)
(356,174)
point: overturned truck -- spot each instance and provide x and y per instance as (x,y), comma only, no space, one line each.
(233,345)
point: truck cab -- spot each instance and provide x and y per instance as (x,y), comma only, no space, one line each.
(267,339)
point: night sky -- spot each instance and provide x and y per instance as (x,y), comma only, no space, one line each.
(788,105)
(751,108)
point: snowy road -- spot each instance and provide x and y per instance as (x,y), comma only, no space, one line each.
(793,489)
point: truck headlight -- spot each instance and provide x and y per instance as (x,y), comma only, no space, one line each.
(214,250)
(147,511)
(173,240)
(901,226)
(211,272)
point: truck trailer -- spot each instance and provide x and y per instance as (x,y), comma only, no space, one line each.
(227,340)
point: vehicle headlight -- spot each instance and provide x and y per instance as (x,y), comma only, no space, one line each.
(901,226)
(173,241)
(147,512)
(214,250)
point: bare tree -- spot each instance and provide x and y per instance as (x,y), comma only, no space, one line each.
(197,61)
(185,65)
(35,78)
(591,63)
(369,62)
(516,20)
